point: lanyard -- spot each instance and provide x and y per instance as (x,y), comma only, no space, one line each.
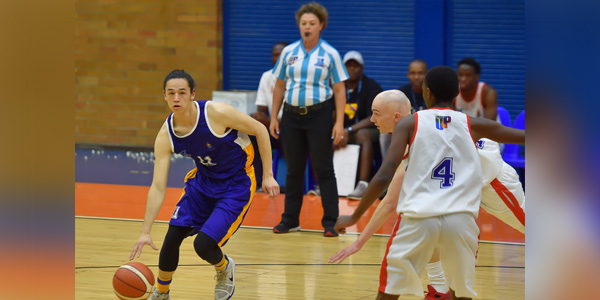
(357,90)
(417,104)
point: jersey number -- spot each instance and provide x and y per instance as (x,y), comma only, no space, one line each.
(443,173)
(207,161)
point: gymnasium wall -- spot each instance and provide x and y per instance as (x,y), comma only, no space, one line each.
(125,48)
(123,51)
(383,31)
(389,34)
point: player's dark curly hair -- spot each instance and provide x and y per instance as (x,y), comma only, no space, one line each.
(180,74)
(471,62)
(442,81)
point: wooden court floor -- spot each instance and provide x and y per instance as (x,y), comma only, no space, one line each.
(268,266)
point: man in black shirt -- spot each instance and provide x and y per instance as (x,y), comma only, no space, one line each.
(414,91)
(360,92)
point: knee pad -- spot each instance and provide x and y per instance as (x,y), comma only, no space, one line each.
(207,248)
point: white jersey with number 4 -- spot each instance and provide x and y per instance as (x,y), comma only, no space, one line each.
(443,146)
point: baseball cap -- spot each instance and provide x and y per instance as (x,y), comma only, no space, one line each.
(354,55)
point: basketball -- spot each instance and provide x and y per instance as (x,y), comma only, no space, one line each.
(133,281)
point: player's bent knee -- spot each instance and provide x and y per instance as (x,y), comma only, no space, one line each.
(207,248)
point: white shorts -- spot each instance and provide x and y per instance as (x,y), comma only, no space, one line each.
(504,198)
(411,246)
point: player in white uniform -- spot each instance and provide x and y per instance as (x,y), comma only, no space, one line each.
(456,199)
(502,193)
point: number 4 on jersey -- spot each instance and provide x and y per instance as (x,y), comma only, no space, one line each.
(443,172)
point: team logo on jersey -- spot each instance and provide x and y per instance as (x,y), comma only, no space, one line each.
(480,144)
(292,60)
(320,62)
(208,145)
(441,122)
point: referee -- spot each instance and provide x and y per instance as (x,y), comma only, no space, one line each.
(310,75)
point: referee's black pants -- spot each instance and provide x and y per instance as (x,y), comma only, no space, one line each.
(303,136)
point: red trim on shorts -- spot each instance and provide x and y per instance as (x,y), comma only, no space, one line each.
(477,252)
(509,199)
(478,238)
(383,273)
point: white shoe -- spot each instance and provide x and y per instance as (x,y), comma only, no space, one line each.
(225,285)
(158,295)
(315,192)
(358,192)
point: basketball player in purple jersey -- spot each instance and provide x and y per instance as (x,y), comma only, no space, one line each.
(217,193)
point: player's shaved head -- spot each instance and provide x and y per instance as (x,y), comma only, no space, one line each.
(388,108)
(394,100)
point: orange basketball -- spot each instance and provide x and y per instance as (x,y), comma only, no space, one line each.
(133,281)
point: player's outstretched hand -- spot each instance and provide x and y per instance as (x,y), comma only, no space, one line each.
(342,254)
(270,186)
(343,222)
(145,239)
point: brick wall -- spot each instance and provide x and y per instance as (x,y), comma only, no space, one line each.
(124,49)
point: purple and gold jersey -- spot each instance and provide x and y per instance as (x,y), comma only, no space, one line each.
(216,156)
(219,191)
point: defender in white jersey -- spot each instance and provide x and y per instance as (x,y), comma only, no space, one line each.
(502,193)
(432,184)
(502,196)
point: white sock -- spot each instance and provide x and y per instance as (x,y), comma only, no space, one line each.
(437,279)
(363,183)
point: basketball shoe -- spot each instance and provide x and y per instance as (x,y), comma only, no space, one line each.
(284,228)
(359,191)
(158,295)
(225,285)
(433,294)
(330,232)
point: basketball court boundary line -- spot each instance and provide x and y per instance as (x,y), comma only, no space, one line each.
(270,228)
(290,264)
